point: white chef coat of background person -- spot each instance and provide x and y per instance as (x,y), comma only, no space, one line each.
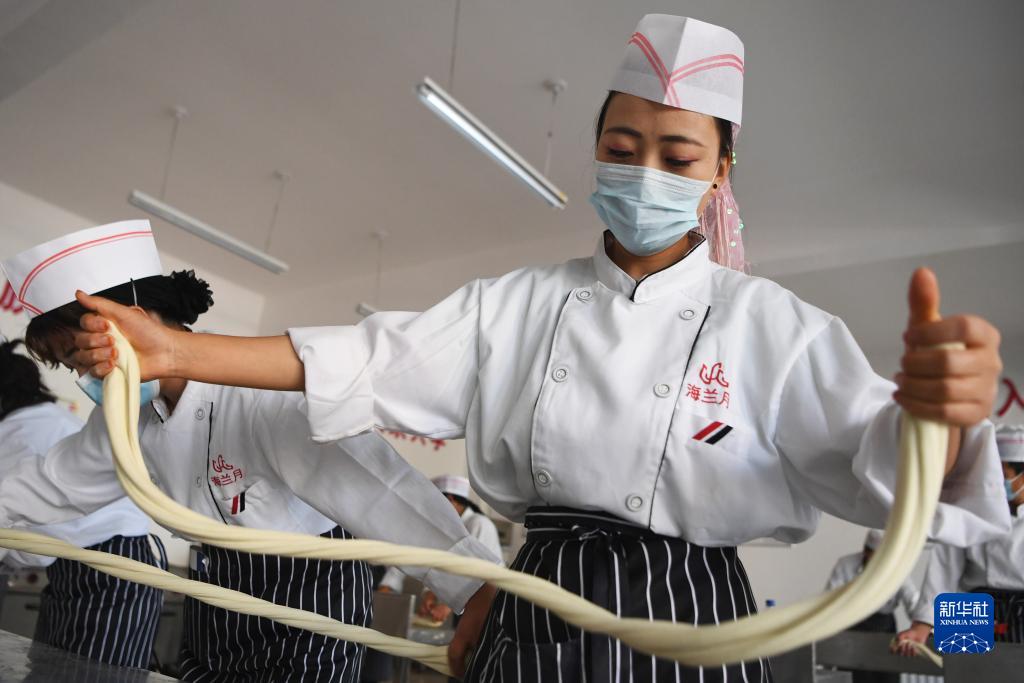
(646,409)
(81,610)
(995,567)
(457,491)
(241,456)
(849,568)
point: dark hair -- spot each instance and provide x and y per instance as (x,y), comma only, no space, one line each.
(464,502)
(725,141)
(20,382)
(179,299)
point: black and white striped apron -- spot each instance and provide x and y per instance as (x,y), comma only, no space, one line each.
(628,570)
(221,646)
(1009,606)
(98,616)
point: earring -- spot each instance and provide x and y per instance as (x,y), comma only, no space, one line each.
(715,186)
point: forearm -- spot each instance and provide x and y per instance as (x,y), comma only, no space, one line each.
(257,362)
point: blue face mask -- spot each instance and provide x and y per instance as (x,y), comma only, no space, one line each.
(646,209)
(93,388)
(1011,493)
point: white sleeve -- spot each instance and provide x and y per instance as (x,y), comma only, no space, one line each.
(74,478)
(908,596)
(414,372)
(837,578)
(837,431)
(394,578)
(483,530)
(364,485)
(942,575)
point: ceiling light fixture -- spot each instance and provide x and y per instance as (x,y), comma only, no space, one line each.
(160,209)
(459,118)
(155,207)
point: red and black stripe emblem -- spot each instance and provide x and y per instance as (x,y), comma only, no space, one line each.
(238,503)
(713,433)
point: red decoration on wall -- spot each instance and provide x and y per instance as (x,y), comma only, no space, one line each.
(9,300)
(1012,396)
(438,444)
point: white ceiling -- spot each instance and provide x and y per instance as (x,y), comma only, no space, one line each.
(874,130)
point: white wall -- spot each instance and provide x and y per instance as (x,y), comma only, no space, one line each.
(26,220)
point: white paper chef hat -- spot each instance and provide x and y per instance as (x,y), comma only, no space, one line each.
(449,483)
(45,277)
(873,539)
(1010,442)
(684,63)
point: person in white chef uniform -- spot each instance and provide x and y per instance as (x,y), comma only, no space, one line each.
(81,610)
(645,409)
(995,567)
(456,490)
(240,456)
(848,568)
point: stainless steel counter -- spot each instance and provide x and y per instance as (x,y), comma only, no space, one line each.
(22,660)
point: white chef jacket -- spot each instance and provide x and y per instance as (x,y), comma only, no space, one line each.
(575,385)
(999,563)
(478,525)
(245,457)
(29,433)
(850,566)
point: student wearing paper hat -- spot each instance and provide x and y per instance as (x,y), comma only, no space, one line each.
(643,410)
(81,610)
(240,456)
(995,567)
(848,568)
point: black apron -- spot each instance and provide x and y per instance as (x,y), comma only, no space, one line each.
(98,616)
(628,570)
(1009,614)
(224,646)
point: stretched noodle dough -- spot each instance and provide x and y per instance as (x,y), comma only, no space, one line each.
(923,447)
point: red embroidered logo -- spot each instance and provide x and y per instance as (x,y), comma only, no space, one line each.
(226,472)
(710,394)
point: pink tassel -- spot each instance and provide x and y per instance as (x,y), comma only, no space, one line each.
(722,228)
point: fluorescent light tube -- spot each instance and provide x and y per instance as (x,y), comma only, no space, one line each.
(459,118)
(209,233)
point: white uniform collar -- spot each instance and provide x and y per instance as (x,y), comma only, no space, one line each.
(194,391)
(688,274)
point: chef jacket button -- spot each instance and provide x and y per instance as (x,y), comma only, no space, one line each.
(560,374)
(199,482)
(584,295)
(200,414)
(543,478)
(634,502)
(687,314)
(662,390)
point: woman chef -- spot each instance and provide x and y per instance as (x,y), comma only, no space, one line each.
(645,410)
(240,456)
(81,610)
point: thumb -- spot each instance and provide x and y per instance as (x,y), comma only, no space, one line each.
(924,297)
